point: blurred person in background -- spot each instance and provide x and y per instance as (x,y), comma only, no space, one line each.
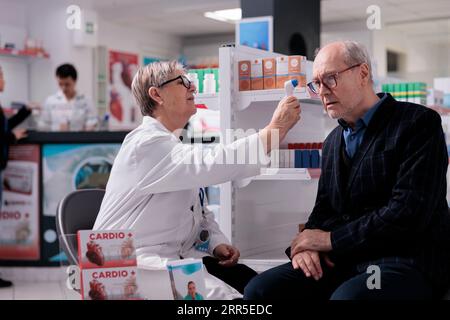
(8,136)
(68,110)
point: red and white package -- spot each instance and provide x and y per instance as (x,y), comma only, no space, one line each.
(106,249)
(109,284)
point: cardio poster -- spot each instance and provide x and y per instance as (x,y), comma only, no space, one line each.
(69,167)
(124,113)
(19,217)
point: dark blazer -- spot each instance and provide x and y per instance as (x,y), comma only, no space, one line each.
(6,135)
(391,204)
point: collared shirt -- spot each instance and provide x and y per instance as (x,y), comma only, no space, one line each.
(354,137)
(77,114)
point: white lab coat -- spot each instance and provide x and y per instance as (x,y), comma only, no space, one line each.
(78,113)
(151,190)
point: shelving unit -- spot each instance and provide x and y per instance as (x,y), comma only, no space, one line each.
(246,98)
(274,174)
(27,59)
(22,54)
(259,217)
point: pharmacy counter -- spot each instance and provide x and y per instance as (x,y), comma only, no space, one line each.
(42,169)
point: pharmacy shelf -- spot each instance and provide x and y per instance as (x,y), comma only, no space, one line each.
(22,54)
(247,209)
(210,100)
(247,98)
(280,174)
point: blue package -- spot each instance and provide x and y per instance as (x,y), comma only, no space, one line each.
(306,158)
(315,159)
(298,159)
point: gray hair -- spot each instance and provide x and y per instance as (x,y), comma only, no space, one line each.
(152,75)
(356,53)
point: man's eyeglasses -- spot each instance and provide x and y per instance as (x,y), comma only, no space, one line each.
(329,81)
(184,81)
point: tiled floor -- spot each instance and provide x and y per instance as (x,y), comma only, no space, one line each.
(51,290)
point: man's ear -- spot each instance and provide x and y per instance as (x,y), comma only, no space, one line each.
(153,92)
(365,73)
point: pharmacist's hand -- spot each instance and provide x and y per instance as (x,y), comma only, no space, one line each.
(20,133)
(34,106)
(286,115)
(228,255)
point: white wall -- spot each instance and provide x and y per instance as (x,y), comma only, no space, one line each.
(143,42)
(13,30)
(204,49)
(47,21)
(351,30)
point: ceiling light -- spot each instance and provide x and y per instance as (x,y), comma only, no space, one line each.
(230,15)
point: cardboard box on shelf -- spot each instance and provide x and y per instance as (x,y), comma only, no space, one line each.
(296,64)
(269,73)
(281,71)
(244,75)
(297,69)
(256,78)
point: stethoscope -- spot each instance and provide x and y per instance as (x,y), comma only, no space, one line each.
(201,195)
(204,233)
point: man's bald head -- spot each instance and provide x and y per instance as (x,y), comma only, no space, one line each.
(348,52)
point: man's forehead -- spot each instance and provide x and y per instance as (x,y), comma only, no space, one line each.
(326,63)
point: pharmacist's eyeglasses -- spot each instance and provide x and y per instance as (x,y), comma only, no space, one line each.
(329,81)
(184,81)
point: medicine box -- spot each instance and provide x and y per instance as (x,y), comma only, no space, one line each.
(244,75)
(107,248)
(109,284)
(256,78)
(269,73)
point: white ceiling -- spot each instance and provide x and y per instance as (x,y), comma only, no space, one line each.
(421,20)
(185,17)
(392,11)
(178,17)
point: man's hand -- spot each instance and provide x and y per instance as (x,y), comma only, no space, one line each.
(311,239)
(309,262)
(20,133)
(228,255)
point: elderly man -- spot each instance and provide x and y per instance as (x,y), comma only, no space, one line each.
(380,227)
(155,186)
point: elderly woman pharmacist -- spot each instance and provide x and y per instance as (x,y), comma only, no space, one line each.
(157,193)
